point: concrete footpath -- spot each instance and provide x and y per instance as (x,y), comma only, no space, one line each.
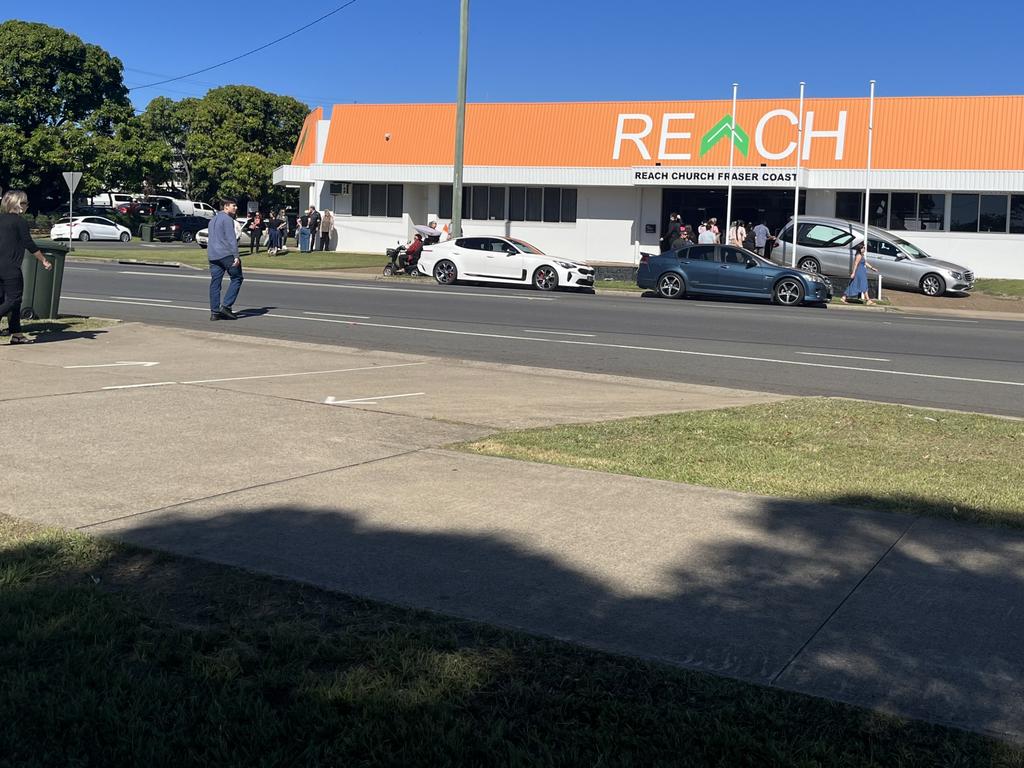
(327,465)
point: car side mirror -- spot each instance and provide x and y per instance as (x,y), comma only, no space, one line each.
(751,263)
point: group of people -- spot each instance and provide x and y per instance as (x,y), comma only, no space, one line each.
(745,235)
(312,229)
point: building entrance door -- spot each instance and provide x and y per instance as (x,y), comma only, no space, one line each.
(773,206)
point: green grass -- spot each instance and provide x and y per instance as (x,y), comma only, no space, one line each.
(889,457)
(1012,288)
(196,257)
(117,656)
(617,285)
(65,324)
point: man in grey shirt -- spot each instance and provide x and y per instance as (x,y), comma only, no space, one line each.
(761,235)
(222,250)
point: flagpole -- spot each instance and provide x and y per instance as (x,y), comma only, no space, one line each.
(460,121)
(732,153)
(867,176)
(796,188)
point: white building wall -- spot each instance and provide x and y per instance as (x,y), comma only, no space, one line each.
(993,256)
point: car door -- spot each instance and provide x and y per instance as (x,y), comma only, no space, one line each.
(828,244)
(736,277)
(700,267)
(468,256)
(108,228)
(886,258)
(501,259)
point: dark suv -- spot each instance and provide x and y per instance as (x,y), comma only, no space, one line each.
(181,228)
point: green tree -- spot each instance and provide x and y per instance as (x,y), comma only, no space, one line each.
(59,98)
(238,135)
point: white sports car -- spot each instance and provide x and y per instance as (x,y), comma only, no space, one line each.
(86,228)
(502,260)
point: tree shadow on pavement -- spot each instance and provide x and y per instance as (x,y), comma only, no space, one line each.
(911,616)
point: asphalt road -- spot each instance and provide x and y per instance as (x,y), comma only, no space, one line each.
(975,365)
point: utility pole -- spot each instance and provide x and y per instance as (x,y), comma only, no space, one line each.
(460,120)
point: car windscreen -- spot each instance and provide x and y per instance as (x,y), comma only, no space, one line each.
(526,247)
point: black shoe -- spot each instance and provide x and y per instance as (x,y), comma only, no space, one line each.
(215,316)
(227,314)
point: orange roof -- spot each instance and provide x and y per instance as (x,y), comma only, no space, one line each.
(305,148)
(947,133)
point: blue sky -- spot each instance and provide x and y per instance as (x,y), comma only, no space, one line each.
(387,51)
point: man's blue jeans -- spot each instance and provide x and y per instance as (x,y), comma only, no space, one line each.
(217,270)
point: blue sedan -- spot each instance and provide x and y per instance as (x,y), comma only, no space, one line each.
(724,270)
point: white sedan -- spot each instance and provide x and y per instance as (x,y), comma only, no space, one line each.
(87,228)
(502,260)
(203,235)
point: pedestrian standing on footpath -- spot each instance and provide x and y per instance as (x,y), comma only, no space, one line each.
(859,278)
(283,229)
(737,234)
(255,231)
(222,250)
(15,239)
(302,232)
(707,237)
(326,228)
(761,234)
(314,227)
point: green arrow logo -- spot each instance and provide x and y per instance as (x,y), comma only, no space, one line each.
(740,139)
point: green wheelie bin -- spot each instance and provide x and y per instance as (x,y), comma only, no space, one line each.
(41,297)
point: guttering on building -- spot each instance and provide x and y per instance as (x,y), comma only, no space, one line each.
(598,180)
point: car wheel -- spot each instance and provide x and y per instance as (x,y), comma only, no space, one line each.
(389,270)
(807,264)
(125,237)
(788,292)
(83,236)
(545,278)
(27,313)
(671,286)
(932,285)
(445,272)
(187,237)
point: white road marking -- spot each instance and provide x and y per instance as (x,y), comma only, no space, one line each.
(936,319)
(603,345)
(137,386)
(369,400)
(561,333)
(142,298)
(664,350)
(302,373)
(81,269)
(333,314)
(137,303)
(349,287)
(845,357)
(113,365)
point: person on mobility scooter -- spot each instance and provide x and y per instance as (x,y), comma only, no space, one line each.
(404,258)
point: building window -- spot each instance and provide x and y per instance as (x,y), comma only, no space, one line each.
(534,203)
(992,213)
(963,214)
(1017,214)
(848,205)
(377,200)
(931,211)
(553,204)
(904,211)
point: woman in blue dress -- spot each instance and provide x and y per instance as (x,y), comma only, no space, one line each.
(859,278)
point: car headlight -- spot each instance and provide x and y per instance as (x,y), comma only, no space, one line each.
(566,264)
(957,275)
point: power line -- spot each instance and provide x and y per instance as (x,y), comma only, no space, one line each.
(248,53)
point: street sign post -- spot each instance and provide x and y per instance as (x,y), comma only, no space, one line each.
(71,178)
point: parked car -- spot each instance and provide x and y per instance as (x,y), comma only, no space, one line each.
(137,207)
(502,260)
(165,205)
(826,245)
(183,228)
(725,270)
(86,228)
(203,235)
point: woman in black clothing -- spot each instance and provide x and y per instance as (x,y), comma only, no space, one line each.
(14,241)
